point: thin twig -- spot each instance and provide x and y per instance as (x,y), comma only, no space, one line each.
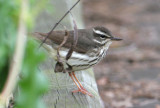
(63,42)
(18,55)
(58,23)
(59,67)
(75,39)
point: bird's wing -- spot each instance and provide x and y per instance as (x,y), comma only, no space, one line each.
(84,43)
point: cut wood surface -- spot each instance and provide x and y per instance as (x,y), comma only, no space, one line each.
(60,84)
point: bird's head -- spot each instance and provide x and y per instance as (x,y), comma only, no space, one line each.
(102,35)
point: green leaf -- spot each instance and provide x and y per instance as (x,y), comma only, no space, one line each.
(33,83)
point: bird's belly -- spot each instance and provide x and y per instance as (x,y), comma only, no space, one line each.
(77,61)
(81,63)
(78,64)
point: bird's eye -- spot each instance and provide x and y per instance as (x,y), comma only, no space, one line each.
(102,36)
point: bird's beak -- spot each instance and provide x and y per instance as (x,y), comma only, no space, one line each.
(116,39)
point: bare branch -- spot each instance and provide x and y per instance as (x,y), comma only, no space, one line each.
(74,43)
(18,55)
(58,22)
(59,65)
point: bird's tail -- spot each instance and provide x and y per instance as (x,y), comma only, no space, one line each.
(40,37)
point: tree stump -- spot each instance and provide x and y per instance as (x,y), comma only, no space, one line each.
(61,85)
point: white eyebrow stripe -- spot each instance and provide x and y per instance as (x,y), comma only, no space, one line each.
(99,32)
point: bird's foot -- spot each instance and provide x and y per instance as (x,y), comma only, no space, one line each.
(84,91)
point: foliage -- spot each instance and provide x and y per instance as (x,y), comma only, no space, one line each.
(9,15)
(33,83)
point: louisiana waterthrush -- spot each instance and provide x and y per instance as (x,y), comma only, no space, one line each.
(91,47)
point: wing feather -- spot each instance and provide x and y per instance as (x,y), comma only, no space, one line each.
(84,43)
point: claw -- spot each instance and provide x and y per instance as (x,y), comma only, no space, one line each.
(84,91)
(80,87)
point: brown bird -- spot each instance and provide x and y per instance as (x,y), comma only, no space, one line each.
(91,47)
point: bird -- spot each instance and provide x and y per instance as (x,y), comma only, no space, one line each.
(91,47)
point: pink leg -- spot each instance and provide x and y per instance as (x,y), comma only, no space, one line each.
(82,89)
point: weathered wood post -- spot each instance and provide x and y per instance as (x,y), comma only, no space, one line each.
(61,86)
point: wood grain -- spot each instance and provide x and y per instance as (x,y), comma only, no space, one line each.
(61,85)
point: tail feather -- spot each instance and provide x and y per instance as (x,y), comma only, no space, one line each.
(40,37)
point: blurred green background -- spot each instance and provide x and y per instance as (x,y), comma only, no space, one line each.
(32,83)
